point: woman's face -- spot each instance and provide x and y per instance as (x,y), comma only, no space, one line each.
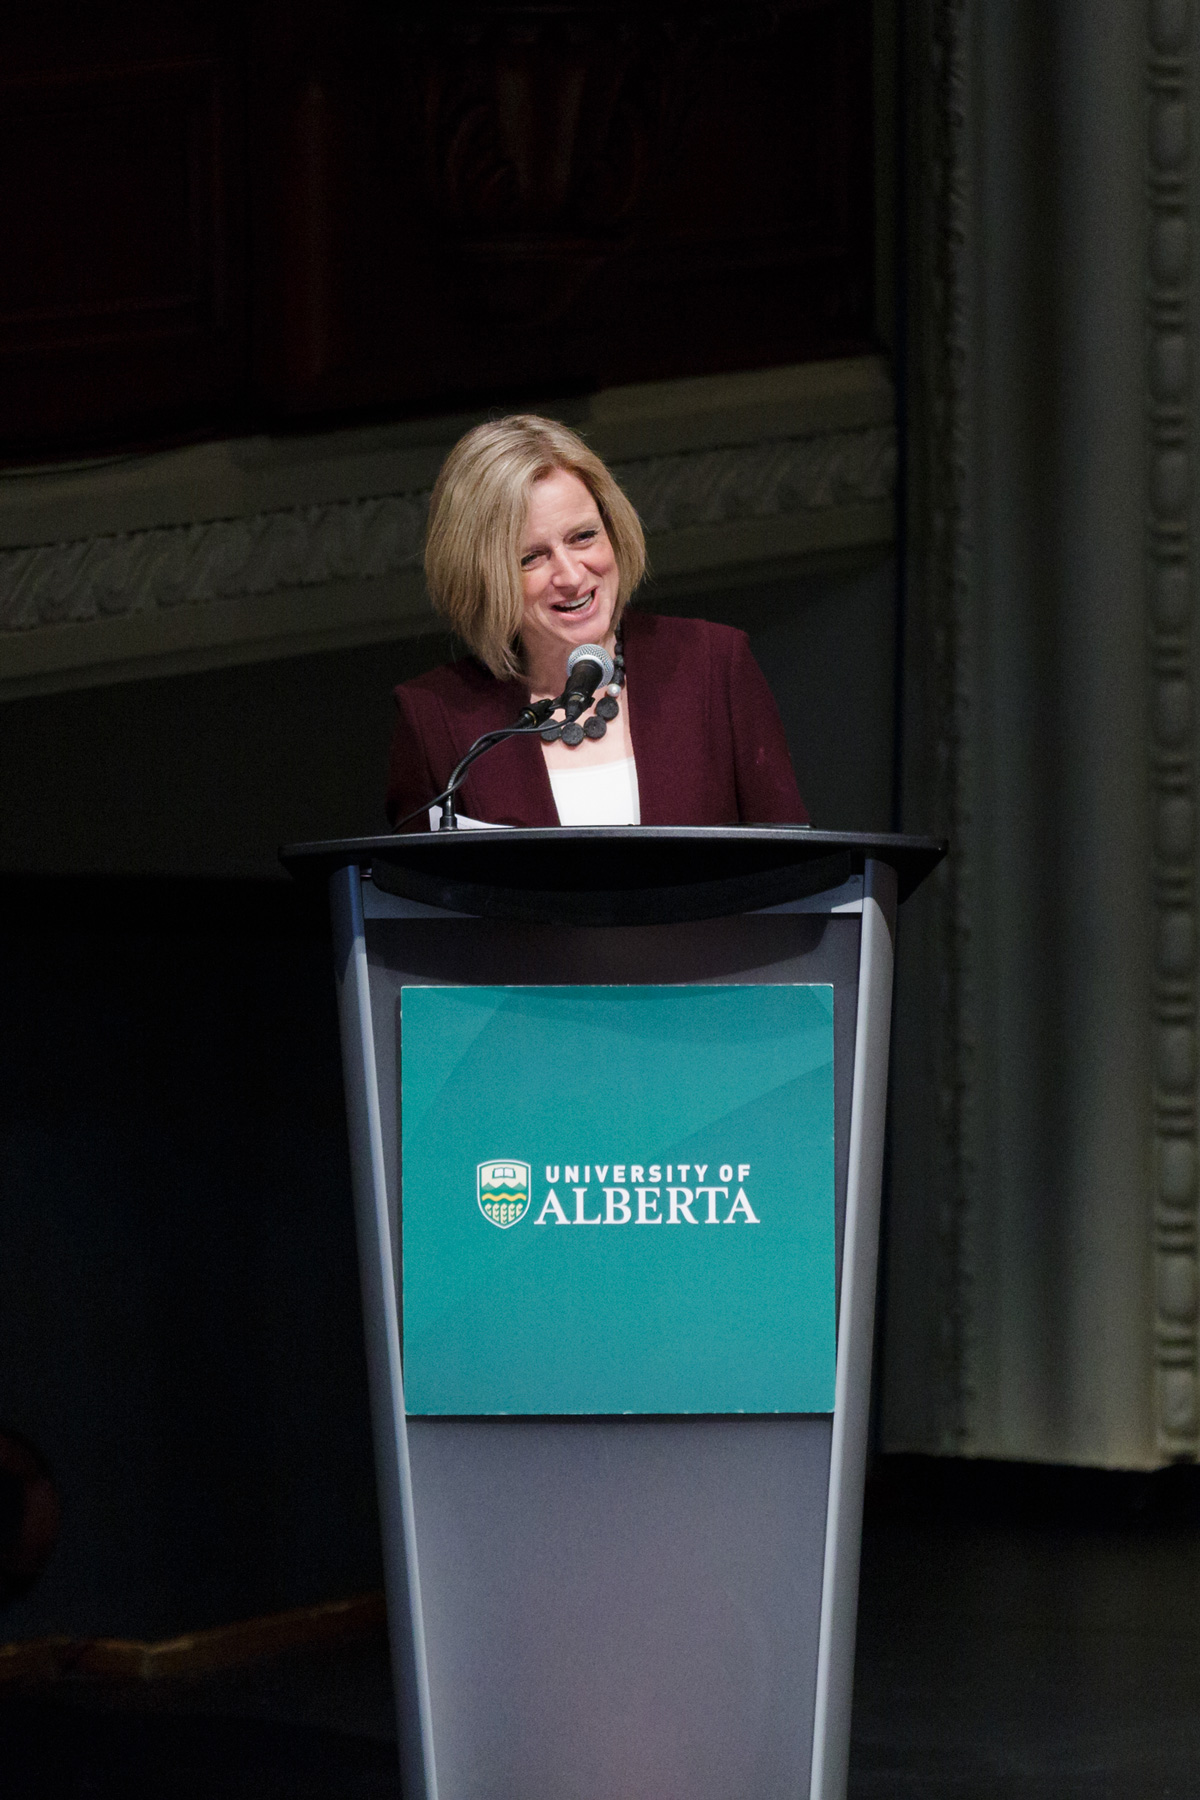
(568,570)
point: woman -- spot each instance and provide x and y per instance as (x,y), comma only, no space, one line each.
(533,549)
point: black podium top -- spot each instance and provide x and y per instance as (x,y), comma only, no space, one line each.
(616,874)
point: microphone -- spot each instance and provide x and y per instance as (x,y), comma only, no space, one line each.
(589,666)
(536,713)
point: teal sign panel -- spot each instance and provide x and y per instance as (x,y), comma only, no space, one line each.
(618,1199)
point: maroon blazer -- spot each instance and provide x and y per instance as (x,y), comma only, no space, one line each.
(707,736)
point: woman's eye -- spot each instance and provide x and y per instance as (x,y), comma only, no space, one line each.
(528,561)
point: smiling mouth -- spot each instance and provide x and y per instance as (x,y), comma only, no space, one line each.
(574,606)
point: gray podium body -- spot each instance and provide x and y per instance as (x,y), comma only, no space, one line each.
(672,1614)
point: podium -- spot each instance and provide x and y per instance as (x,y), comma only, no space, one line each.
(621,1511)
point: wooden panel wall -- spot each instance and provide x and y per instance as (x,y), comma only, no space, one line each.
(226,218)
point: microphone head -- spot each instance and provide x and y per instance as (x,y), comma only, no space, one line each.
(594,653)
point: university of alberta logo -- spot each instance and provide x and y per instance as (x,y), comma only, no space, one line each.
(503,1192)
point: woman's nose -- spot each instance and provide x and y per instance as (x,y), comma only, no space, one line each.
(567,567)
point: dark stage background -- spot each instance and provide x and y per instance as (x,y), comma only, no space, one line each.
(222,217)
(293,217)
(909,294)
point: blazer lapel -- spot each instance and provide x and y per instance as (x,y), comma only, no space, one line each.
(650,729)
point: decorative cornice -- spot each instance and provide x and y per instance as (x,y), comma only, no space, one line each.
(219,559)
(168,567)
(762,481)
(1172,763)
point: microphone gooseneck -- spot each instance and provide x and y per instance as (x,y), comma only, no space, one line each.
(589,666)
(536,713)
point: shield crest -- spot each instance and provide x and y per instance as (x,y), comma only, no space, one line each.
(503,1192)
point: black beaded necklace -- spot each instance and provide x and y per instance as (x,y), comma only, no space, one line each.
(605,710)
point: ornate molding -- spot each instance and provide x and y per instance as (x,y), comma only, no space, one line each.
(166,568)
(762,481)
(220,559)
(1066,1171)
(1172,766)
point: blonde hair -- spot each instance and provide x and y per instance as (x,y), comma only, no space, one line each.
(477,517)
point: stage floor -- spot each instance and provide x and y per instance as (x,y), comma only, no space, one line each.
(1028,1634)
(1024,1634)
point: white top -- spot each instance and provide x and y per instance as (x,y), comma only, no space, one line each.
(597,794)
